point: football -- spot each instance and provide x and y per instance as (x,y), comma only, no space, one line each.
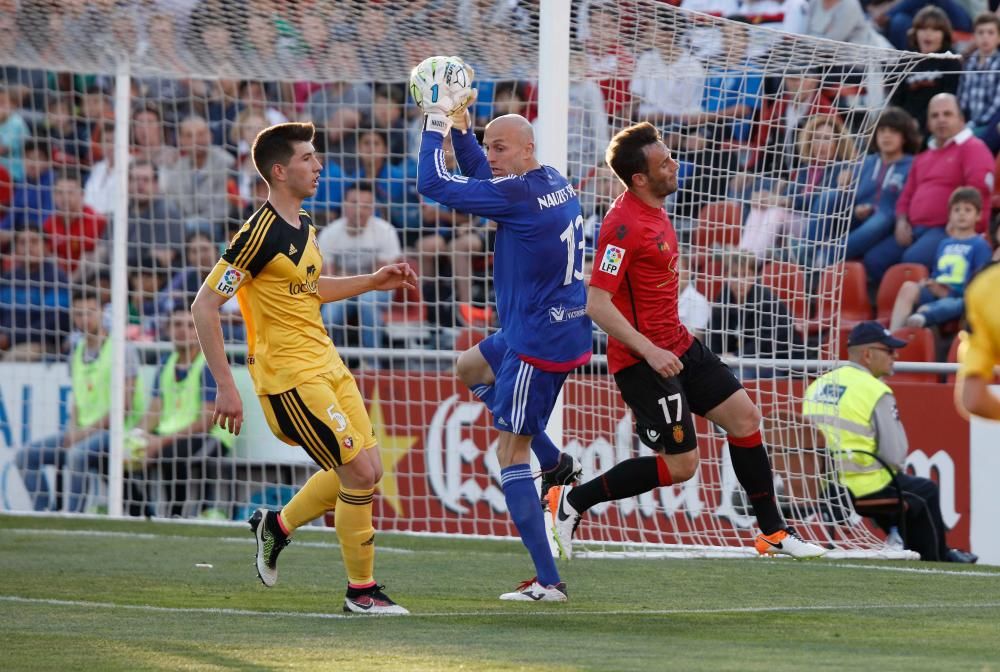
(441,81)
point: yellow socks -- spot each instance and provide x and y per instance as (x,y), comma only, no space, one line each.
(353,521)
(316,497)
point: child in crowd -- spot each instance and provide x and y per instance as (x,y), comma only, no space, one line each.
(959,257)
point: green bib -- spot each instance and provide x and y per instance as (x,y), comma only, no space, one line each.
(92,388)
(182,400)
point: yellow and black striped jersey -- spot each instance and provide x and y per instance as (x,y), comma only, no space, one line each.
(981,350)
(273,268)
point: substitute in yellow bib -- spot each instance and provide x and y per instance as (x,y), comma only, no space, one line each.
(857,414)
(308,396)
(979,352)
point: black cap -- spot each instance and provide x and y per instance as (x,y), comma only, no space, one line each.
(873,332)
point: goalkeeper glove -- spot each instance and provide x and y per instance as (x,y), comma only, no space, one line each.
(461,119)
(440,101)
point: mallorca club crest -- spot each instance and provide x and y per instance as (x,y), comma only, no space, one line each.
(678,433)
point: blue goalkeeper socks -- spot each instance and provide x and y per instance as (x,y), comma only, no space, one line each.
(545,451)
(522,503)
(541,444)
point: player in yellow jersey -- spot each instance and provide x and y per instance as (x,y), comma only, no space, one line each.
(980,350)
(309,397)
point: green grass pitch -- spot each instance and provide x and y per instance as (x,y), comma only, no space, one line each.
(110,595)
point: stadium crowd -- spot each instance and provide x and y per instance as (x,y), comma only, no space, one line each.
(789,140)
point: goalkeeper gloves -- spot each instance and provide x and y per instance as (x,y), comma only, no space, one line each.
(443,101)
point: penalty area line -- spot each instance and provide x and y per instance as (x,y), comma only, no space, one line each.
(545,613)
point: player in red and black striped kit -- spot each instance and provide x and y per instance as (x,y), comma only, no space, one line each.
(664,374)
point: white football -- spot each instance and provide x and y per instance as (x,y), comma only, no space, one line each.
(440,80)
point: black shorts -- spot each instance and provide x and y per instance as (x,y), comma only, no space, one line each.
(663,407)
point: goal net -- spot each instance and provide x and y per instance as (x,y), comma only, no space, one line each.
(769,129)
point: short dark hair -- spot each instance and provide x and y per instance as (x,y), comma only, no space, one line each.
(968,195)
(275,144)
(86,293)
(69,173)
(361,185)
(987,17)
(901,121)
(626,154)
(36,145)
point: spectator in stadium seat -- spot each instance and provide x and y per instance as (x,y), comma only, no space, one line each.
(145,280)
(692,306)
(954,158)
(178,431)
(336,108)
(148,138)
(34,301)
(197,184)
(13,133)
(821,185)
(455,239)
(83,444)
(748,320)
(589,130)
(395,186)
(388,114)
(101,190)
(856,411)
(256,96)
(802,97)
(607,60)
(979,85)
(358,243)
(843,21)
(902,16)
(248,124)
(31,201)
(74,230)
(65,131)
(733,83)
(960,256)
(930,34)
(155,227)
(668,82)
(880,181)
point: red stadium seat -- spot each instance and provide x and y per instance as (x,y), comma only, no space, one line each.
(919,348)
(469,337)
(788,282)
(889,287)
(720,224)
(953,356)
(854,304)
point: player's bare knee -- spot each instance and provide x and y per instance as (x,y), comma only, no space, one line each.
(683,466)
(473,369)
(747,423)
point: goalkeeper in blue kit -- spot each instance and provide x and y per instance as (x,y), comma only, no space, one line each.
(541,299)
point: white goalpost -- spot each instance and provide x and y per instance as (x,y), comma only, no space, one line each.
(132,171)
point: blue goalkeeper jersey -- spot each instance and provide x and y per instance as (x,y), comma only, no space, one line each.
(538,259)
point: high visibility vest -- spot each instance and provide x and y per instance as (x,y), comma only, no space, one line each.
(841,403)
(182,400)
(91,383)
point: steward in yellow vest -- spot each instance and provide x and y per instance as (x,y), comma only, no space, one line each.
(84,444)
(178,426)
(856,411)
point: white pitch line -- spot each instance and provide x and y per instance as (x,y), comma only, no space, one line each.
(915,570)
(149,536)
(546,613)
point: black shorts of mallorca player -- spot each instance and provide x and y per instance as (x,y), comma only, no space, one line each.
(663,407)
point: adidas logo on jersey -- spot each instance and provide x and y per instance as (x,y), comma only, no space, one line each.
(292,249)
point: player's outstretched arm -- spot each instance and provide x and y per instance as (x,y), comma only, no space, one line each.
(389,277)
(228,412)
(485,198)
(602,311)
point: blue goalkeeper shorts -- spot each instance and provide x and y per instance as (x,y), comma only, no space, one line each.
(524,396)
(493,348)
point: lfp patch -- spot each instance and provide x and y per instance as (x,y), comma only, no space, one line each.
(612,260)
(230,282)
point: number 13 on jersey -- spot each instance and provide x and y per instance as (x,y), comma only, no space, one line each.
(572,235)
